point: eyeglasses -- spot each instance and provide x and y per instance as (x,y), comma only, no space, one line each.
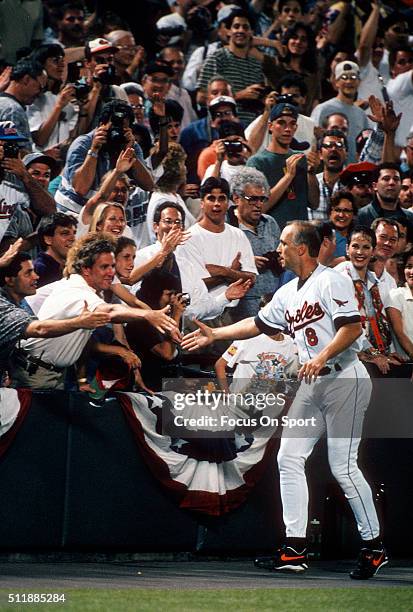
(349,77)
(221,114)
(343,211)
(137,106)
(333,145)
(255,199)
(222,199)
(171,222)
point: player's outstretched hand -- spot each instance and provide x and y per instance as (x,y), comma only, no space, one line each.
(309,371)
(91,320)
(160,319)
(200,338)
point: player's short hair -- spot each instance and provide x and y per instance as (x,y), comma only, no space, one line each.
(48,225)
(161,207)
(122,243)
(324,228)
(214,183)
(307,233)
(385,221)
(13,268)
(86,250)
(364,231)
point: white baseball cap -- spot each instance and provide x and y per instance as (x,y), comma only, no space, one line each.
(222,100)
(100,44)
(347,67)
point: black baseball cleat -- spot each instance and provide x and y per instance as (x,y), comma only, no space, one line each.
(285,559)
(369,563)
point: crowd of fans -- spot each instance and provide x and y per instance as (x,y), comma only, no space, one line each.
(149,163)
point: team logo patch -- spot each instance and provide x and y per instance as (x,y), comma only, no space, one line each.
(232,350)
(340,302)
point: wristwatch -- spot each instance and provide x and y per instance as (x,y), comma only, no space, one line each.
(92,154)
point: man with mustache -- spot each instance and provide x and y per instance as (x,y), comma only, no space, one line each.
(333,153)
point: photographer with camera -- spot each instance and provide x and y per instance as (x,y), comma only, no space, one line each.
(99,64)
(91,155)
(22,197)
(231,150)
(59,113)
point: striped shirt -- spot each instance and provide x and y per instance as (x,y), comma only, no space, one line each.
(240,72)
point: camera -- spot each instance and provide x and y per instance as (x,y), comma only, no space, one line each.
(116,136)
(286,98)
(81,88)
(11,150)
(108,77)
(185,299)
(233,147)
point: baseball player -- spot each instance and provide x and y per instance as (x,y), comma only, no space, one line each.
(319,310)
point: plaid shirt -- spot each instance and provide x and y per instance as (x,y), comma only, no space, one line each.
(325,195)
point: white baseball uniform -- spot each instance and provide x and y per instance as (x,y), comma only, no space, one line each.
(313,311)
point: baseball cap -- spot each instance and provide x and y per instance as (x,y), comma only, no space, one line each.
(283,108)
(226,11)
(100,44)
(159,66)
(222,100)
(361,173)
(41,158)
(347,67)
(8,131)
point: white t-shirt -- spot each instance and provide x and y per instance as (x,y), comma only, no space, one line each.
(402,299)
(400,91)
(67,300)
(40,111)
(227,171)
(159,197)
(305,131)
(205,247)
(203,306)
(259,358)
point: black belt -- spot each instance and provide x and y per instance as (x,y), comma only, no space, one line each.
(327,370)
(24,359)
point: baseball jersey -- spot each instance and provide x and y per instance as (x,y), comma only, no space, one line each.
(312,312)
